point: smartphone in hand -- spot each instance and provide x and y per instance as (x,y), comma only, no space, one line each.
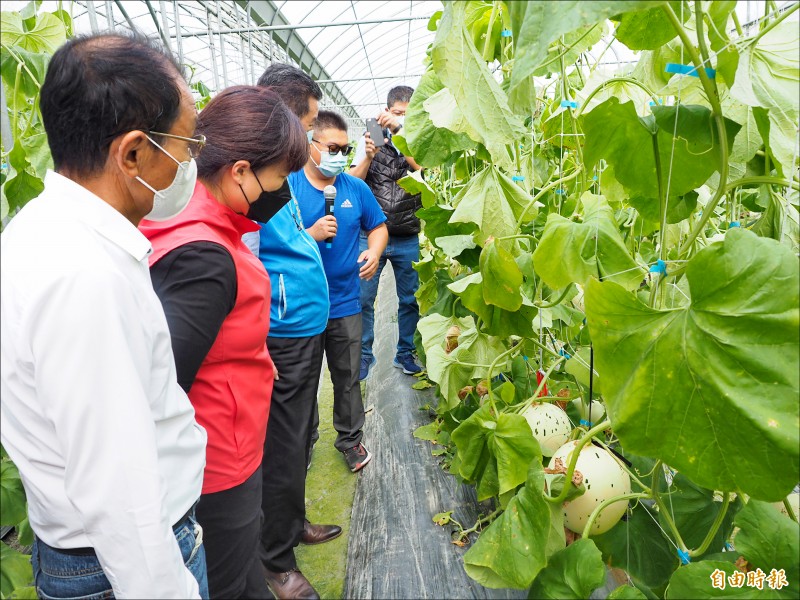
(375,132)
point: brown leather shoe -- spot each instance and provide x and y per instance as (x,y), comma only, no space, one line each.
(319,534)
(291,584)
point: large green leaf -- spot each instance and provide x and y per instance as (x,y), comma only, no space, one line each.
(719,16)
(430,145)
(726,364)
(514,548)
(573,252)
(501,277)
(768,76)
(494,203)
(574,572)
(30,78)
(48,34)
(449,370)
(638,546)
(415,184)
(480,99)
(649,29)
(436,219)
(21,188)
(694,581)
(626,592)
(770,540)
(578,41)
(16,570)
(693,510)
(495,450)
(612,87)
(433,329)
(616,133)
(496,321)
(13,508)
(536,24)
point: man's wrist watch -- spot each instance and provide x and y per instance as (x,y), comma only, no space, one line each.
(397,129)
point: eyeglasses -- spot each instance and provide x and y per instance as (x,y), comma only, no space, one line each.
(196,143)
(335,148)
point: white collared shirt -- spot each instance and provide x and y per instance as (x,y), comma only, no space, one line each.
(104,438)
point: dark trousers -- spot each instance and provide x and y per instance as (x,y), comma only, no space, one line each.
(294,397)
(231,522)
(343,353)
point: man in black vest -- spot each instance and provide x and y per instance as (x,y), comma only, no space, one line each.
(380,168)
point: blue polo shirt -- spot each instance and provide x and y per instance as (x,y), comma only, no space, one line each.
(355,209)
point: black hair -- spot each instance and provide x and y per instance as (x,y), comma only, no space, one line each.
(251,123)
(401,93)
(293,86)
(98,87)
(327,119)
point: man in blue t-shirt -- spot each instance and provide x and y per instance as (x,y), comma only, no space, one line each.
(355,209)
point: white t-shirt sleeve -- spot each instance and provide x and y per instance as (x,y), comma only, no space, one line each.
(361,152)
(252,239)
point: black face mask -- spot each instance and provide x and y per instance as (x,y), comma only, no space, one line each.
(267,203)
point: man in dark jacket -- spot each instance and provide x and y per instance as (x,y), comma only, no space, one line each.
(381,168)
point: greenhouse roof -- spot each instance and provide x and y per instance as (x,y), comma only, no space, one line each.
(356,49)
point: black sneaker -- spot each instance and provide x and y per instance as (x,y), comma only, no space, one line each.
(357,457)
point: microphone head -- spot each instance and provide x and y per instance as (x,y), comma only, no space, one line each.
(329,192)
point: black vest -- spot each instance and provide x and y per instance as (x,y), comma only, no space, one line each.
(398,205)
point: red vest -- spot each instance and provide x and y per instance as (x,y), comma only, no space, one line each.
(232,390)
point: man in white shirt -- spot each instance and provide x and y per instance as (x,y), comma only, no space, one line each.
(104,438)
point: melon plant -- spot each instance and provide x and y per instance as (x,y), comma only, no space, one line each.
(630,231)
(550,426)
(604,479)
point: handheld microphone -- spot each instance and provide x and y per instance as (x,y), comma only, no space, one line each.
(330,196)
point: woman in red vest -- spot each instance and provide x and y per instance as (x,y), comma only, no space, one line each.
(216,296)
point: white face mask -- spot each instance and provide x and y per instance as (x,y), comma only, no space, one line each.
(401,120)
(171,201)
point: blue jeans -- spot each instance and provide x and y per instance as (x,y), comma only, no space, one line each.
(61,575)
(401,252)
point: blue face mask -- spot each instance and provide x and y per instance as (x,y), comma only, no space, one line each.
(332,165)
(310,134)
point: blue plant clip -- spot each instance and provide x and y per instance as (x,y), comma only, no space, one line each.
(594,178)
(688,70)
(660,267)
(561,191)
(586,423)
(525,358)
(734,224)
(505,33)
(569,104)
(660,101)
(518,178)
(564,354)
(684,556)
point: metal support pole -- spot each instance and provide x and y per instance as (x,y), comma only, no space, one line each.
(110,15)
(92,16)
(162,8)
(212,50)
(250,45)
(369,78)
(177,19)
(248,80)
(222,46)
(198,33)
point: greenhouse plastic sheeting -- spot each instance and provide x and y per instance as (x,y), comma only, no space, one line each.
(396,550)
